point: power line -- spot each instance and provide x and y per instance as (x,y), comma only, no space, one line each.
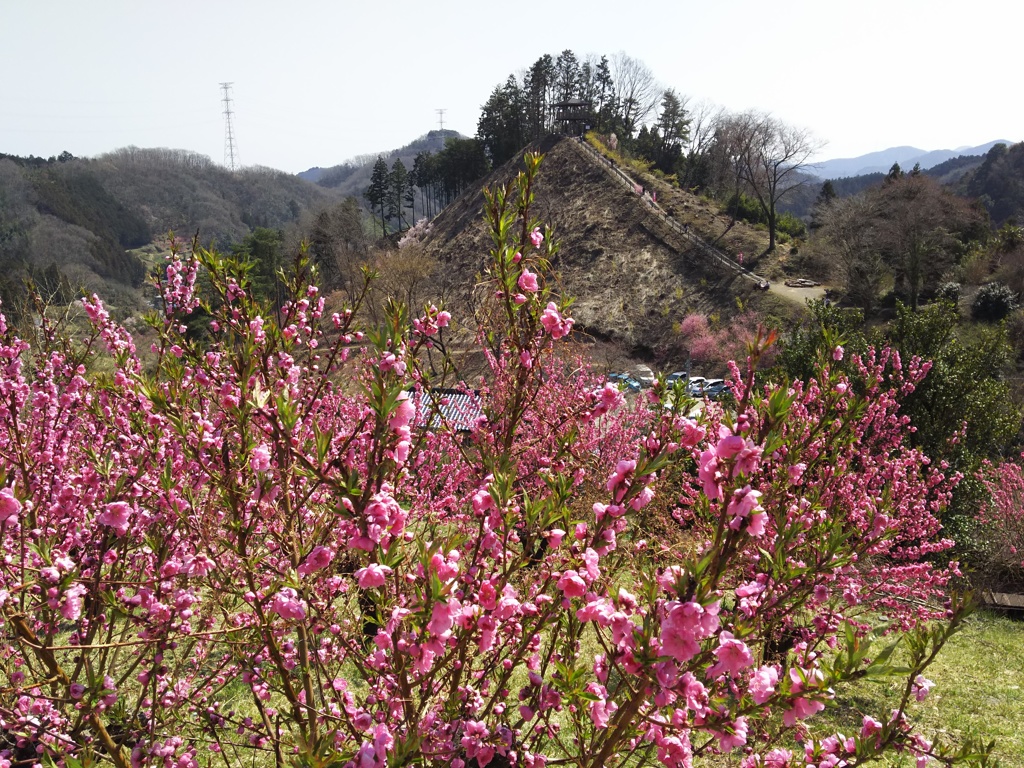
(230,150)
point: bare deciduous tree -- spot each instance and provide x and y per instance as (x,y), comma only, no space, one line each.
(636,90)
(770,156)
(850,244)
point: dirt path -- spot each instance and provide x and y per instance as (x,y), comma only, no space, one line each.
(799,295)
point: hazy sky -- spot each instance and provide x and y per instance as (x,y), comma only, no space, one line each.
(316,83)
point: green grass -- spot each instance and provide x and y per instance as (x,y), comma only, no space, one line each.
(979,689)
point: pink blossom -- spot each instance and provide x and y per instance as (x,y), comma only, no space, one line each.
(707,472)
(116,515)
(733,656)
(729,445)
(554,537)
(288,605)
(74,600)
(554,323)
(778,758)
(802,709)
(762,683)
(736,736)
(744,501)
(372,576)
(693,433)
(536,237)
(870,727)
(10,507)
(572,585)
(921,687)
(837,354)
(618,478)
(590,560)
(528,281)
(260,459)
(684,626)
(482,501)
(316,560)
(405,411)
(603,708)
(442,617)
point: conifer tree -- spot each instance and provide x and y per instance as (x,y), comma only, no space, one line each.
(377,192)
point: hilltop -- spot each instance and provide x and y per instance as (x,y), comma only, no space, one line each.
(633,279)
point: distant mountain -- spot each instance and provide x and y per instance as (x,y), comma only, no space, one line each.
(882,161)
(353,176)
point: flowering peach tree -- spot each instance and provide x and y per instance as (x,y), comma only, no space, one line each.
(273,547)
(1000,528)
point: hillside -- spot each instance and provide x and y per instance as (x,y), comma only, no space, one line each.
(632,278)
(70,224)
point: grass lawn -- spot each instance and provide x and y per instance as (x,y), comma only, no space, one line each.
(979,688)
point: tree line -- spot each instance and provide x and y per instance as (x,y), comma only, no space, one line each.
(435,179)
(749,160)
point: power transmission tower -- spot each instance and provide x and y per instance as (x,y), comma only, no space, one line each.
(440,117)
(230,150)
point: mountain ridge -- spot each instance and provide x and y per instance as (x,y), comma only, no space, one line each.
(882,160)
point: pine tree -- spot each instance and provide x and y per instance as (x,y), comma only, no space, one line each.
(377,192)
(398,181)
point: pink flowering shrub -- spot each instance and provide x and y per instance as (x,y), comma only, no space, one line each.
(230,558)
(1000,530)
(711,346)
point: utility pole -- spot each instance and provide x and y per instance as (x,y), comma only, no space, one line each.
(440,117)
(230,150)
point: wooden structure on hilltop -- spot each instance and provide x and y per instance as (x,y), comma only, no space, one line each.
(572,117)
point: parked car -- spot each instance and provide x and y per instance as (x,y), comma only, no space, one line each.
(715,389)
(626,382)
(672,378)
(695,386)
(709,388)
(644,375)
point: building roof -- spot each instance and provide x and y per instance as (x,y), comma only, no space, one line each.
(457,409)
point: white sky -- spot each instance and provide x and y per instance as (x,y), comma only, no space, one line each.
(316,83)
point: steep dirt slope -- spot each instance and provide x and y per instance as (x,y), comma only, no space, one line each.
(632,277)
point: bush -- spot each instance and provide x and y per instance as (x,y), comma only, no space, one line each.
(993,302)
(999,556)
(231,551)
(949,291)
(791,225)
(745,208)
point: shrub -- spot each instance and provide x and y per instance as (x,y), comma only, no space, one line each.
(949,291)
(740,206)
(1000,531)
(993,302)
(791,225)
(231,553)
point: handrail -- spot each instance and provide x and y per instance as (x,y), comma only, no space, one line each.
(669,220)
